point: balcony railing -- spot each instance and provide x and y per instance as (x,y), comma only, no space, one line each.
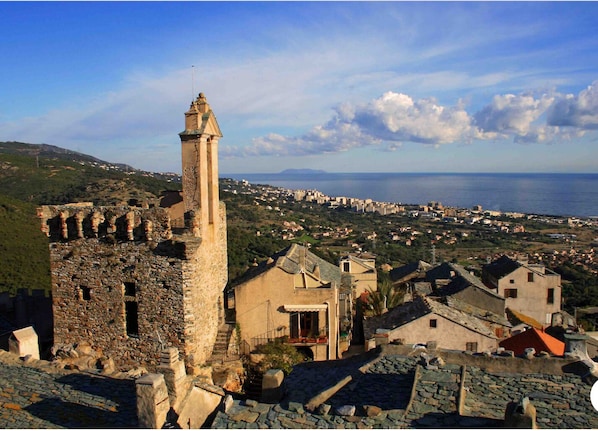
(282,335)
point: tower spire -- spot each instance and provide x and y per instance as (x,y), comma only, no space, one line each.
(199,142)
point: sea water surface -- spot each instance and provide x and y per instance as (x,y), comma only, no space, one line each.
(545,194)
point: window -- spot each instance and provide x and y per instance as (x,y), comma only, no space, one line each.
(433,323)
(85,293)
(471,346)
(129,289)
(550,298)
(530,277)
(131,319)
(512,281)
(510,293)
(304,324)
(346,267)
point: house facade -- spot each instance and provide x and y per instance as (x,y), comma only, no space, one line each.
(424,320)
(292,297)
(133,280)
(532,290)
(362,271)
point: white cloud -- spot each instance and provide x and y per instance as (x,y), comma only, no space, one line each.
(579,111)
(515,115)
(396,117)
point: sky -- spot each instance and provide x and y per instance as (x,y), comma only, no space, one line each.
(338,86)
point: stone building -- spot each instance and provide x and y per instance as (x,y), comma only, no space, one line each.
(133,280)
(531,289)
(425,320)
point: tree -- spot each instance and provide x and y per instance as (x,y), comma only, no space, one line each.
(386,297)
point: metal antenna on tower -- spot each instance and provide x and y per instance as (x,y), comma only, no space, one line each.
(192,82)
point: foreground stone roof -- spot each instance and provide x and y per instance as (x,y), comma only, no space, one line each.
(392,391)
(389,389)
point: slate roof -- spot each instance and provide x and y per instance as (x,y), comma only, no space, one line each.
(420,307)
(293,260)
(477,312)
(462,280)
(414,269)
(501,267)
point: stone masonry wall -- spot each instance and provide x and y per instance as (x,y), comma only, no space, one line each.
(204,276)
(107,261)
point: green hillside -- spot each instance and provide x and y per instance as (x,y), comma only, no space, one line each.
(33,175)
(23,247)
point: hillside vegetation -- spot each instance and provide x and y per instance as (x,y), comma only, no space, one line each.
(33,175)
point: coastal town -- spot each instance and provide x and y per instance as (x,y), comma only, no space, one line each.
(343,327)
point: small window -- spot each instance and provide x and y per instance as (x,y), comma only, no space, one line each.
(131,317)
(85,293)
(129,289)
(471,347)
(510,293)
(433,323)
(346,267)
(512,281)
(550,298)
(530,277)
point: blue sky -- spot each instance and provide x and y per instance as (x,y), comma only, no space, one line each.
(344,87)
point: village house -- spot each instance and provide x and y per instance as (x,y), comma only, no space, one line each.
(426,321)
(361,268)
(456,287)
(293,297)
(529,289)
(133,280)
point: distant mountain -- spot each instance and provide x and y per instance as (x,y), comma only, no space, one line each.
(51,151)
(302,171)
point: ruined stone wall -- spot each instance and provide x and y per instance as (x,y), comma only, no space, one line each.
(123,282)
(204,275)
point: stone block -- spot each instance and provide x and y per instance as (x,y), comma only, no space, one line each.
(197,407)
(24,342)
(372,411)
(324,409)
(152,401)
(346,410)
(228,403)
(272,386)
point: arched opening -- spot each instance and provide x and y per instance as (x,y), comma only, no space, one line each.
(306,352)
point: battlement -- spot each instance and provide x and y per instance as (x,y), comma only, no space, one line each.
(125,223)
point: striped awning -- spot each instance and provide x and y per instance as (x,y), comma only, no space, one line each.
(305,307)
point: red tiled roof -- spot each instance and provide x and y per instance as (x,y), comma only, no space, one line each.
(539,340)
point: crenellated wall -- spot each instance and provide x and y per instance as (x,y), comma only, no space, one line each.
(122,281)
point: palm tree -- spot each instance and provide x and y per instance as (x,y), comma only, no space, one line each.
(384,298)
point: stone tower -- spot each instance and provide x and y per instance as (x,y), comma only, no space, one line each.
(132,281)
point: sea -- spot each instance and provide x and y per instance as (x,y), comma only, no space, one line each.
(567,195)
